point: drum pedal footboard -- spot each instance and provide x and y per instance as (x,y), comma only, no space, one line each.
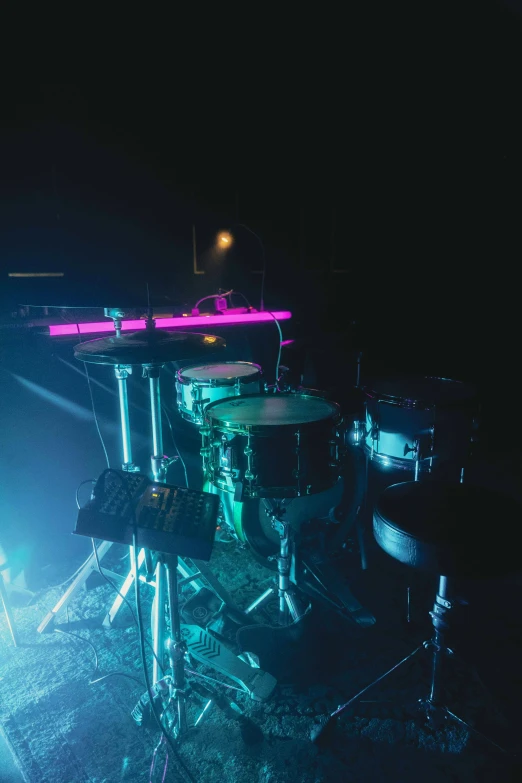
(208,650)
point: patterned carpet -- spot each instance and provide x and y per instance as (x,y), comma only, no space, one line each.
(64,730)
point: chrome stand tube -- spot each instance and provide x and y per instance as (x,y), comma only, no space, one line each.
(283,570)
(177,646)
(158,462)
(122,373)
(158,624)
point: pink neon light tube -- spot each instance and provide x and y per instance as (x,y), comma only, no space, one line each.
(183,322)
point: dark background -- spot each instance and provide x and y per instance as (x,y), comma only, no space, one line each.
(379,161)
(378,157)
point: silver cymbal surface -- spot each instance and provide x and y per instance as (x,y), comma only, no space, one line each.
(150,346)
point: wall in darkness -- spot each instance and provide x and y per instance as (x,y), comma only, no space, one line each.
(396,159)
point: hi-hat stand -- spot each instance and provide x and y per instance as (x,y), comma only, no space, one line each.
(202,645)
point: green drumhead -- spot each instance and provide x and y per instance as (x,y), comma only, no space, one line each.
(272,410)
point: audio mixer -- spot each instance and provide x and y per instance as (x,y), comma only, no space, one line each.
(166,518)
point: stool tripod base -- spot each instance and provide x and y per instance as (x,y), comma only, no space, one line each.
(432,707)
(435,714)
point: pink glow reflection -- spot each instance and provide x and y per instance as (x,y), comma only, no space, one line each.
(162,323)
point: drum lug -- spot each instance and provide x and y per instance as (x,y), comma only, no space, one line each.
(357,435)
(411,449)
(334,452)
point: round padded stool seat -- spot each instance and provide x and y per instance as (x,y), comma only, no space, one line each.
(455,530)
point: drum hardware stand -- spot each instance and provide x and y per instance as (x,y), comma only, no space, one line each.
(176,646)
(322,581)
(8,612)
(289,609)
(432,706)
(122,373)
(257,683)
(116,313)
(199,642)
(253,681)
(193,640)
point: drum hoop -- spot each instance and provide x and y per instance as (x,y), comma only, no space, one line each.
(386,461)
(186,414)
(214,382)
(260,429)
(406,402)
(272,492)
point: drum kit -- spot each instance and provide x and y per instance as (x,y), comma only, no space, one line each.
(281,460)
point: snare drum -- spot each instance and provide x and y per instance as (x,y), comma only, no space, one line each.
(203,384)
(418,423)
(272,445)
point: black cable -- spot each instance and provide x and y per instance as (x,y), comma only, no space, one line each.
(165,411)
(239,293)
(80,485)
(97,423)
(96,660)
(144,659)
(111,583)
(280,333)
(139,620)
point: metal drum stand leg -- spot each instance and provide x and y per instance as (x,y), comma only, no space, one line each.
(122,372)
(8,612)
(432,706)
(289,608)
(159,466)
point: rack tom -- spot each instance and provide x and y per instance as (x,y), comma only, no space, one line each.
(418,423)
(203,384)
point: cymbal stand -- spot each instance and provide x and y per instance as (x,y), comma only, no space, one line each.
(159,466)
(289,608)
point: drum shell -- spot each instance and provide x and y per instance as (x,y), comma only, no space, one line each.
(272,461)
(443,428)
(193,394)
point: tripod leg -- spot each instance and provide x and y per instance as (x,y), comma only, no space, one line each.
(322,732)
(126,586)
(8,613)
(77,582)
(259,602)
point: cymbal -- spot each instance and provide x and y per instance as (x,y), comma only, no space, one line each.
(150,346)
